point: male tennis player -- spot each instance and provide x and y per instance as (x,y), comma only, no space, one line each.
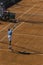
(10,38)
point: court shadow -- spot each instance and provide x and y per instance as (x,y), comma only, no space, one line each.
(12,3)
(8,3)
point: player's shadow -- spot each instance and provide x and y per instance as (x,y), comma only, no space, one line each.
(21,52)
(17,51)
(24,53)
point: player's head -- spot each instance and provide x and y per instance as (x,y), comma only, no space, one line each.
(9,29)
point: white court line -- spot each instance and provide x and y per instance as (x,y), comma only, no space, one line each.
(27,11)
(13,31)
(5,27)
(18,26)
(36,11)
(18,17)
(21,16)
(28,35)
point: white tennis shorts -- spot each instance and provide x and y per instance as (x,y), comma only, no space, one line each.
(9,37)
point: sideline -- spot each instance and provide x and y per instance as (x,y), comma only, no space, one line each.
(28,35)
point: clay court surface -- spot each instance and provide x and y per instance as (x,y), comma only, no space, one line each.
(27,38)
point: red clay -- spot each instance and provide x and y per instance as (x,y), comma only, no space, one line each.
(27,37)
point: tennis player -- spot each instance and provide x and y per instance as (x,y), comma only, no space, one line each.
(10,38)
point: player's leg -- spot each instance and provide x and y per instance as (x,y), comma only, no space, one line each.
(10,40)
